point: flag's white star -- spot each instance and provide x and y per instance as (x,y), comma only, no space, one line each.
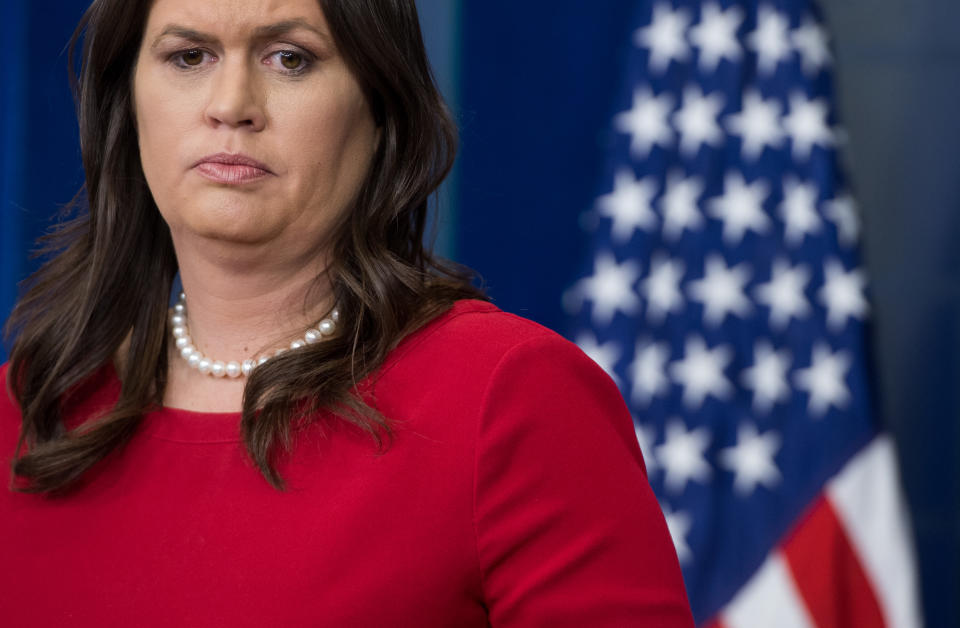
(646,435)
(716,35)
(662,287)
(605,355)
(751,459)
(784,294)
(721,290)
(799,211)
(758,124)
(806,124)
(767,378)
(771,40)
(646,122)
(741,207)
(679,205)
(825,380)
(842,294)
(610,289)
(629,206)
(664,37)
(701,372)
(843,212)
(696,120)
(679,524)
(648,372)
(682,455)
(812,43)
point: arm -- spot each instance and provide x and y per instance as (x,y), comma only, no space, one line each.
(569,532)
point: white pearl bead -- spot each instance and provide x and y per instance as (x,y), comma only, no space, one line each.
(234,369)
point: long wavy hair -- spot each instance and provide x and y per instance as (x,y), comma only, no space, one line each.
(111,264)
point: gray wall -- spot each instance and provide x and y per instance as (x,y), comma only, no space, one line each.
(899,85)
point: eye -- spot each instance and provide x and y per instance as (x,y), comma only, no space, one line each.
(192,57)
(291,62)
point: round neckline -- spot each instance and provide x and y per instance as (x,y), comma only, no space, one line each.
(192,426)
(174,424)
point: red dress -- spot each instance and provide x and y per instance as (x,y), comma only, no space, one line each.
(514,494)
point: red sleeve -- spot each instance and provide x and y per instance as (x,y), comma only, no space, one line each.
(569,532)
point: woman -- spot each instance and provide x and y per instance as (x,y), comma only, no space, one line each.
(330,427)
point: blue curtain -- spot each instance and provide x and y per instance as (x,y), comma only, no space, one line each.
(40,167)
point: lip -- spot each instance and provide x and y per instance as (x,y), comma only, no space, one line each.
(231,169)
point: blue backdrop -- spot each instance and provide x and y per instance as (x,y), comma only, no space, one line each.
(533,84)
(39,154)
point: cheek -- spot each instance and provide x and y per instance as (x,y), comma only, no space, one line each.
(331,145)
(312,128)
(161,117)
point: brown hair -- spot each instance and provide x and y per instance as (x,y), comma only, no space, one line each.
(107,279)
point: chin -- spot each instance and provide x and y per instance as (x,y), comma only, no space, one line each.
(237,233)
(240,224)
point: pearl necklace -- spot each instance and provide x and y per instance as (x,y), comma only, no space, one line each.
(216,368)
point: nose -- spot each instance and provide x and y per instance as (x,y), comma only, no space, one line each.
(235,100)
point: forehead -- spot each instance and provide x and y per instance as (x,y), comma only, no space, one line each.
(233,17)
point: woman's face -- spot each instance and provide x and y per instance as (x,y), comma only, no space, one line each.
(252,129)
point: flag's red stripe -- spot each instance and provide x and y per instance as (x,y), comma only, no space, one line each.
(828,573)
(715,623)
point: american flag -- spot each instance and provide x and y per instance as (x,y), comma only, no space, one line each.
(726,297)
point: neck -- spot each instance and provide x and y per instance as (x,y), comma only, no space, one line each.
(240,305)
(237,309)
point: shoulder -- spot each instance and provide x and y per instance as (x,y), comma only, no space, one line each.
(92,397)
(481,321)
(478,336)
(491,368)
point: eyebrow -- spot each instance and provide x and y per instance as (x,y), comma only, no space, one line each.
(261,32)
